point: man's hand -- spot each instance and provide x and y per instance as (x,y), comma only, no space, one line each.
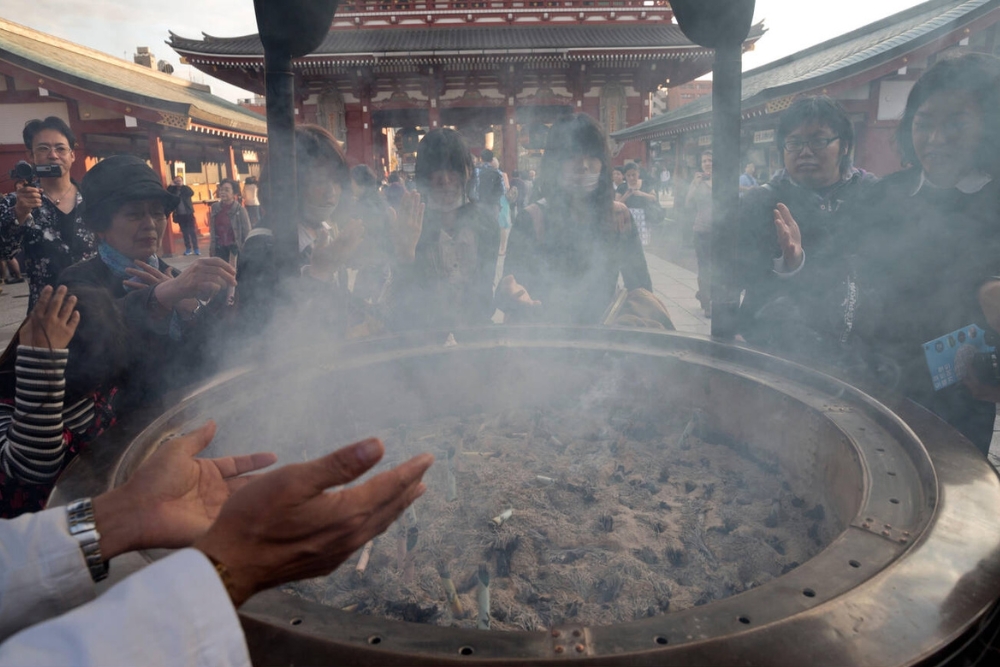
(405,229)
(52,322)
(172,498)
(28,199)
(789,237)
(286,526)
(201,280)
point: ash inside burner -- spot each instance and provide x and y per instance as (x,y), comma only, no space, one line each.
(612,519)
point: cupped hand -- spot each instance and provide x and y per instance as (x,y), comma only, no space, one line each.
(173,497)
(405,229)
(513,295)
(287,526)
(52,322)
(789,237)
(203,279)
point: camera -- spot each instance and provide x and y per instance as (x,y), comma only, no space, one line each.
(25,171)
(986,365)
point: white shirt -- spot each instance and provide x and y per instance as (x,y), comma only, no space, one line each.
(173,612)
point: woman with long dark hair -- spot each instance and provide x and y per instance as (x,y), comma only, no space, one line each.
(568,249)
(931,241)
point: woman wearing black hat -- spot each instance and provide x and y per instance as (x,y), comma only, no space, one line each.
(126,208)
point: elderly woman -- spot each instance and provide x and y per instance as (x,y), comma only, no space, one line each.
(568,249)
(127,208)
(228,223)
(796,305)
(446,263)
(931,244)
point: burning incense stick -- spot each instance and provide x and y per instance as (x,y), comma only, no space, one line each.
(412,535)
(366,554)
(450,593)
(452,493)
(499,519)
(483,598)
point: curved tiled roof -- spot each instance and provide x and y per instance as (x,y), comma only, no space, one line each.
(91,70)
(833,60)
(403,41)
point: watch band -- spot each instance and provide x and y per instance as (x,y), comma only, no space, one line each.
(80,516)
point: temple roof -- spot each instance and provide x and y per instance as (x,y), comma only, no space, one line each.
(837,59)
(502,38)
(99,73)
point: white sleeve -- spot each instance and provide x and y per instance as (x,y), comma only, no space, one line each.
(779,266)
(42,570)
(173,612)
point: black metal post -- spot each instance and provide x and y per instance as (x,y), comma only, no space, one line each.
(727,91)
(283,204)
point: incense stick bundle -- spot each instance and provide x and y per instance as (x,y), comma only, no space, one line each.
(483,598)
(452,493)
(412,535)
(499,519)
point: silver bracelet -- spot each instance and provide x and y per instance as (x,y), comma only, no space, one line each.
(80,515)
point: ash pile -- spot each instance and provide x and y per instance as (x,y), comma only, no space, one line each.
(536,518)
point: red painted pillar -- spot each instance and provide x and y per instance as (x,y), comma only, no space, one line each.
(231,163)
(434,114)
(159,165)
(367,140)
(509,138)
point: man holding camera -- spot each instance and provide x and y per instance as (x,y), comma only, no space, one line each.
(43,216)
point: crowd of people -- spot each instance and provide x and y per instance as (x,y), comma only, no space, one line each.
(837,268)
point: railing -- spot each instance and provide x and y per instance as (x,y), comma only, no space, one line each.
(361,6)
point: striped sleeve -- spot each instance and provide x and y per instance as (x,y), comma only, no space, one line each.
(32,443)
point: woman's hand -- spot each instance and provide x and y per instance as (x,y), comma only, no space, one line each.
(789,237)
(144,275)
(405,229)
(989,301)
(52,322)
(511,295)
(201,280)
(331,253)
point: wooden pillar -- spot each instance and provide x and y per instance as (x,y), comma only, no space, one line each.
(367,140)
(79,167)
(509,138)
(434,114)
(159,165)
(231,163)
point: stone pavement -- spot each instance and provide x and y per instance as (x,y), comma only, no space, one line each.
(676,287)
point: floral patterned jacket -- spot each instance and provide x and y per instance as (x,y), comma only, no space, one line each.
(50,245)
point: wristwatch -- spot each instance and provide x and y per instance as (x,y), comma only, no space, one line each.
(80,516)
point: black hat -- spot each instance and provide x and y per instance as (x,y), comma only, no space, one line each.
(115,181)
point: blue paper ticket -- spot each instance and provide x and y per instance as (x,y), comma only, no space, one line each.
(950,357)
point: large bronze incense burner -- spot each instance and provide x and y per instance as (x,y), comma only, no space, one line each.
(908,575)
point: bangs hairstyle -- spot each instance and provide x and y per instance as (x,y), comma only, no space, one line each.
(443,149)
(825,111)
(315,148)
(976,74)
(33,127)
(570,137)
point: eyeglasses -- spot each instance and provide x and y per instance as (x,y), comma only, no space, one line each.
(815,144)
(60,150)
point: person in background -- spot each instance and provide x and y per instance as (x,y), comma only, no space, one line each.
(395,190)
(228,223)
(250,201)
(798,306)
(747,180)
(699,202)
(664,180)
(568,249)
(523,189)
(164,309)
(184,215)
(929,241)
(447,261)
(46,221)
(59,378)
(618,180)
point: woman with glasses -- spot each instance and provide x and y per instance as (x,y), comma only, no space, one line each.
(43,218)
(932,243)
(798,302)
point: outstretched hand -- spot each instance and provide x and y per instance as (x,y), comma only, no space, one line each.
(52,322)
(789,237)
(406,227)
(286,525)
(512,295)
(173,497)
(203,279)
